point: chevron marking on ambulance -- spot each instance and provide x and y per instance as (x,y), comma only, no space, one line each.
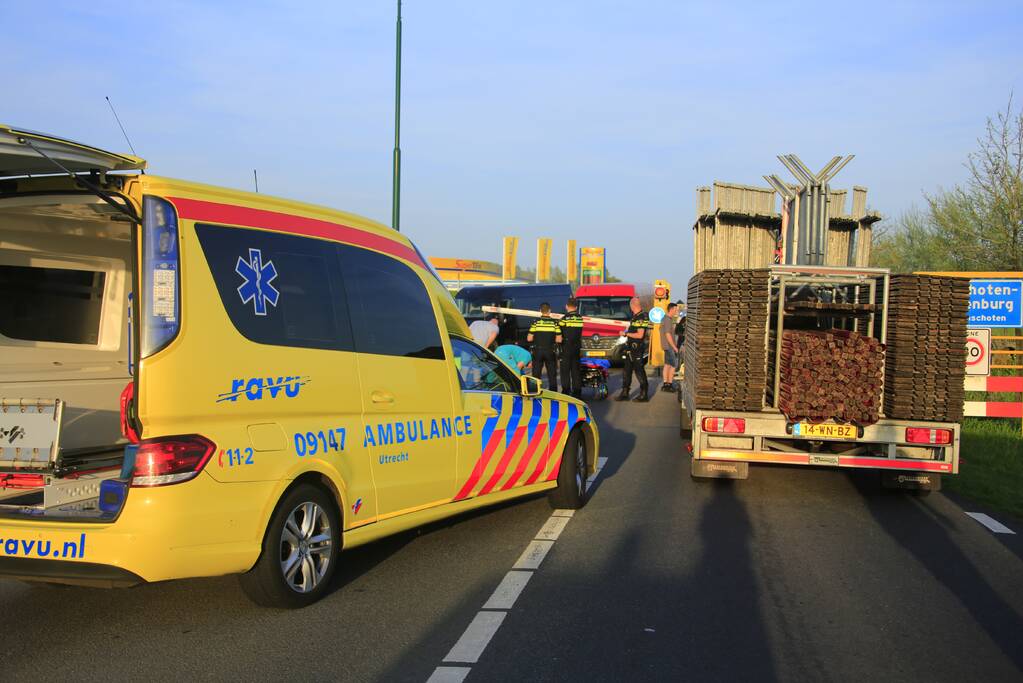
(514,436)
(535,436)
(573,417)
(491,437)
(555,427)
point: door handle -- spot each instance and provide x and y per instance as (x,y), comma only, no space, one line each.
(489,412)
(382,397)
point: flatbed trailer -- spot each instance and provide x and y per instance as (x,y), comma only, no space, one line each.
(723,442)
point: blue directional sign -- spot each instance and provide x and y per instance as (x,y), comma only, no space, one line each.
(656,315)
(996,303)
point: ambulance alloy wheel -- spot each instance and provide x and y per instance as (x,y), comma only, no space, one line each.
(571,491)
(300,551)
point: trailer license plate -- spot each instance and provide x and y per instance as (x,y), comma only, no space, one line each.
(596,353)
(824,431)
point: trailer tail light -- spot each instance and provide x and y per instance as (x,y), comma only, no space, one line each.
(170,460)
(725,425)
(160,299)
(936,437)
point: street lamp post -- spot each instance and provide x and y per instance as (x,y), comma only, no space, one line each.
(396,179)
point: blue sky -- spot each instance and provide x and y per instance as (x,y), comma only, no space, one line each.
(587,120)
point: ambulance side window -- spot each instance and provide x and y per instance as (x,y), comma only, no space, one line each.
(278,289)
(479,370)
(392,313)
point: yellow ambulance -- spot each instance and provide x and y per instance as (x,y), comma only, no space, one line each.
(300,382)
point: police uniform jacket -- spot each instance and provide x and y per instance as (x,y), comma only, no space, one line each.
(640,321)
(544,331)
(571,329)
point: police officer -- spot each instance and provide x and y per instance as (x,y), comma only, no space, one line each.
(634,358)
(544,333)
(571,349)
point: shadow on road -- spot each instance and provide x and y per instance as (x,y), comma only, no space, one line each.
(912,524)
(731,642)
(633,610)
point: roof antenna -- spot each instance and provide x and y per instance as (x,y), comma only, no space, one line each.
(118,119)
(255,179)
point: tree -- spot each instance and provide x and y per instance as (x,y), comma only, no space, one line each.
(974,226)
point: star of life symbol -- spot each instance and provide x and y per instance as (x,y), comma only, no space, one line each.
(258,276)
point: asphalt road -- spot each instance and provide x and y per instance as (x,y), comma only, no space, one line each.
(794,574)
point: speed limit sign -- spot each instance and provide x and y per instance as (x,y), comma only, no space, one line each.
(978,352)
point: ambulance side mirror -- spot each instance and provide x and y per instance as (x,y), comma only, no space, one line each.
(530,386)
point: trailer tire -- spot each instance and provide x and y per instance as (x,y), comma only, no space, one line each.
(304,514)
(685,424)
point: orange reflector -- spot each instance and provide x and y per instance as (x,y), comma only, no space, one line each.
(928,436)
(726,425)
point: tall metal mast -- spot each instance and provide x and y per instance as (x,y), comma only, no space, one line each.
(396,179)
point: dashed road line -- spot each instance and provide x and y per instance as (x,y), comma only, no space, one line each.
(533,555)
(449,674)
(481,630)
(472,643)
(507,592)
(553,528)
(991,523)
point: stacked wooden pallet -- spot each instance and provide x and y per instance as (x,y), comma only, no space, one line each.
(925,364)
(726,329)
(833,375)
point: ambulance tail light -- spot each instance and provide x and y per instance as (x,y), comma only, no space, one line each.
(724,425)
(160,299)
(127,425)
(170,459)
(931,437)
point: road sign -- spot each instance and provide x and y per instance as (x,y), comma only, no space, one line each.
(996,303)
(978,352)
(656,315)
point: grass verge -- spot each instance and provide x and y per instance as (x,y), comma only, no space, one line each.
(991,466)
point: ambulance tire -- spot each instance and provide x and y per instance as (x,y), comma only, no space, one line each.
(266,584)
(572,475)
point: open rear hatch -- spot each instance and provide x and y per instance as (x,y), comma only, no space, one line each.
(66,264)
(25,153)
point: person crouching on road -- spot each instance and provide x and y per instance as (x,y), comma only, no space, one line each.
(670,349)
(543,335)
(634,359)
(515,356)
(571,349)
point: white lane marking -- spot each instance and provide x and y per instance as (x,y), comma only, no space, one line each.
(477,636)
(991,523)
(449,674)
(593,478)
(507,592)
(533,555)
(472,643)
(552,528)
